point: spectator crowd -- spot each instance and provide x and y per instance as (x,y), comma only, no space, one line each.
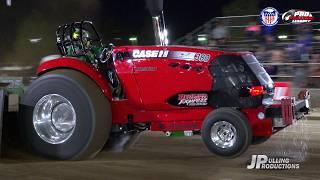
(284,56)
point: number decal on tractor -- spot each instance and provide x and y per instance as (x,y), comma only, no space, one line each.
(202,57)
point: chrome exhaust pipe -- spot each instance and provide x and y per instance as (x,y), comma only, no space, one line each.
(156,10)
(160,32)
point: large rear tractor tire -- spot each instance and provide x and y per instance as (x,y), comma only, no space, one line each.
(65,116)
(226,132)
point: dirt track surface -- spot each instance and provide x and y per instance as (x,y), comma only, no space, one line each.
(155,156)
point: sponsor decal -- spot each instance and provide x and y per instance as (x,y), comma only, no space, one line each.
(180,55)
(183,55)
(269,16)
(193,99)
(264,162)
(297,16)
(149,53)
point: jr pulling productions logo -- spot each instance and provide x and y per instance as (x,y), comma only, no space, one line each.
(269,16)
(297,16)
(265,162)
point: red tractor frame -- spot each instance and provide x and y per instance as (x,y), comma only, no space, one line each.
(75,108)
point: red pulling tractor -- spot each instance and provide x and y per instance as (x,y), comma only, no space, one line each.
(95,96)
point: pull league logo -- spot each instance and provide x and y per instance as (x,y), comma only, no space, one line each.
(297,16)
(269,16)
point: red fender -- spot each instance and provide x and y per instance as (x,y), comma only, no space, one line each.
(76,64)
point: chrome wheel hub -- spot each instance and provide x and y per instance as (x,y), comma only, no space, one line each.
(54,118)
(223,134)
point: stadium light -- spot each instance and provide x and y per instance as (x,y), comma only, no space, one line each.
(282,36)
(202,38)
(133,40)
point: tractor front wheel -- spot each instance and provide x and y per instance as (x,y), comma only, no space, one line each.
(226,132)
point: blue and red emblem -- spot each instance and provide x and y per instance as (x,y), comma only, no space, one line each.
(269,16)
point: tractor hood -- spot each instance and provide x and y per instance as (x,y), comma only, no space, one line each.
(183,53)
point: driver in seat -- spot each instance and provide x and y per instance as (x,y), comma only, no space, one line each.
(86,45)
(89,52)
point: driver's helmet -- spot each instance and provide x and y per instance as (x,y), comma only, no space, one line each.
(86,40)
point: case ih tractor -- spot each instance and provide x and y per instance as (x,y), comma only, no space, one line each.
(95,96)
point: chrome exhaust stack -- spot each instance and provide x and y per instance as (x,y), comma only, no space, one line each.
(155,8)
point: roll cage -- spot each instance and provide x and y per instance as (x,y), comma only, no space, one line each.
(67,43)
